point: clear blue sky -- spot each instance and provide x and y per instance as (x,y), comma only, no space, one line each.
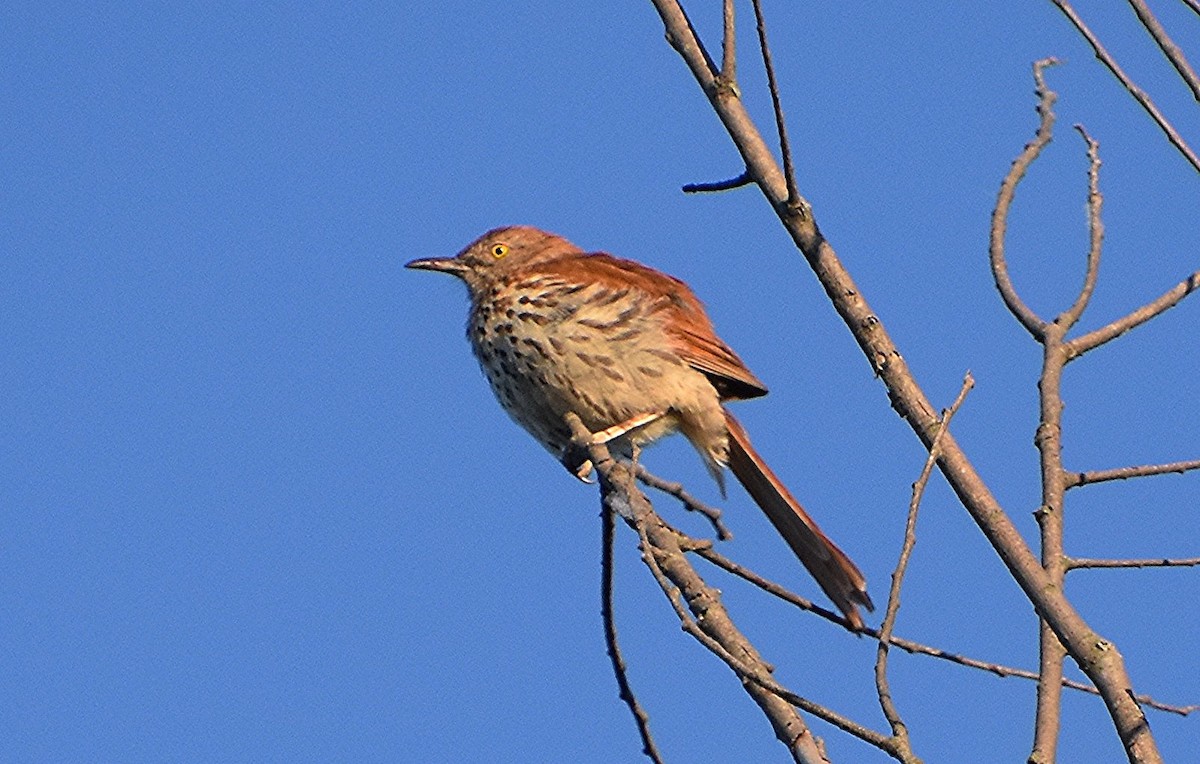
(259,505)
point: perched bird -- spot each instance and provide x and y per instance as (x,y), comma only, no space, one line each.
(631,351)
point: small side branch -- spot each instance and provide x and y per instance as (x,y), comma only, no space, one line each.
(690,502)
(1168,300)
(1075,563)
(1008,188)
(720,185)
(1076,479)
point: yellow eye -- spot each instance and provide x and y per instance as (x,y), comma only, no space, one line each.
(499,250)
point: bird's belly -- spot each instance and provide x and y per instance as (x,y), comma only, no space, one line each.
(606,374)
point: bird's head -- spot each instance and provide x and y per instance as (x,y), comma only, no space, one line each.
(499,253)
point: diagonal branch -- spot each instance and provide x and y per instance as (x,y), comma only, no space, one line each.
(1168,300)
(907,645)
(1172,51)
(1138,94)
(887,704)
(711,622)
(1096,656)
(690,502)
(705,550)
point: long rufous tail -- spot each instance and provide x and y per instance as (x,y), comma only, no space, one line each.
(833,570)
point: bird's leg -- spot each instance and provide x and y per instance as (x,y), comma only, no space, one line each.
(624,428)
(583,469)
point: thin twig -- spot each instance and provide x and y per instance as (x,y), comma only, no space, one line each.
(720,185)
(910,646)
(1167,46)
(1168,300)
(789,172)
(1095,203)
(1008,188)
(640,717)
(1075,479)
(690,502)
(886,703)
(1075,563)
(729,47)
(1138,94)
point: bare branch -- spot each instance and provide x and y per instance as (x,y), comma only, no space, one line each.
(721,185)
(1075,479)
(706,551)
(1138,94)
(899,729)
(1167,46)
(729,47)
(785,150)
(711,623)
(1095,231)
(1008,188)
(640,717)
(1096,656)
(690,502)
(758,675)
(1168,300)
(1074,563)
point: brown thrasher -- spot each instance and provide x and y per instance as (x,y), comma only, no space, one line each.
(632,353)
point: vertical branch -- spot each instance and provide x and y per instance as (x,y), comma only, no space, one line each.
(1055,355)
(1049,516)
(640,717)
(728,47)
(1095,202)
